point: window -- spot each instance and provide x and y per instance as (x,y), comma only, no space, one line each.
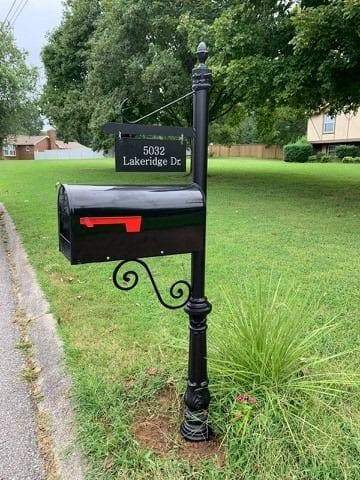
(329,124)
(331,149)
(9,151)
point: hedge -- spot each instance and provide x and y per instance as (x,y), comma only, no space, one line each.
(342,151)
(297,152)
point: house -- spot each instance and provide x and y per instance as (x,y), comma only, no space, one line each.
(23,147)
(29,147)
(325,132)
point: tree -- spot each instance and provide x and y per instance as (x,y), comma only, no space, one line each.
(135,60)
(279,126)
(303,55)
(117,60)
(19,112)
(252,47)
(65,59)
(135,57)
(326,67)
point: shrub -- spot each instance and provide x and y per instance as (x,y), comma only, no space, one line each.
(302,141)
(297,152)
(351,160)
(322,158)
(342,151)
(327,158)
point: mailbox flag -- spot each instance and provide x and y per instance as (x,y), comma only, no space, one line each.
(132,224)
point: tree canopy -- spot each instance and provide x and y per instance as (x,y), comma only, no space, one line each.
(65,58)
(298,54)
(134,56)
(326,68)
(117,60)
(19,112)
(279,126)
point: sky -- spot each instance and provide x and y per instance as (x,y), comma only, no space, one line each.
(32,25)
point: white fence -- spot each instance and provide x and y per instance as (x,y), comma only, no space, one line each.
(78,154)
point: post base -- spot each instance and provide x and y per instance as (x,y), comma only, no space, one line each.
(195,427)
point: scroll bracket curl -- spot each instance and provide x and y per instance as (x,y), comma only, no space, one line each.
(180,290)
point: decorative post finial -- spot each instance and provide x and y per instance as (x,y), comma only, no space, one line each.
(201,74)
(202,52)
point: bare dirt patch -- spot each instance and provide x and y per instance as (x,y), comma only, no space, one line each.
(157,429)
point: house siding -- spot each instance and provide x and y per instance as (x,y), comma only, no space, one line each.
(347,130)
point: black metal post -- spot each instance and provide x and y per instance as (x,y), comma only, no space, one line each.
(195,426)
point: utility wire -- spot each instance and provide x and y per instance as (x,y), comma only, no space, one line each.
(18,12)
(163,108)
(14,12)
(8,13)
(15,17)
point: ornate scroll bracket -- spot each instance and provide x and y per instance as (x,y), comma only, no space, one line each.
(180,290)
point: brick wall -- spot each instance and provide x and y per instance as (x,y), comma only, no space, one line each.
(26,152)
(43,145)
(52,140)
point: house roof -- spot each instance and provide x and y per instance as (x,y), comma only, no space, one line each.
(69,146)
(26,139)
(32,140)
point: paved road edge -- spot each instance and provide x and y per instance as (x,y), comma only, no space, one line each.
(49,356)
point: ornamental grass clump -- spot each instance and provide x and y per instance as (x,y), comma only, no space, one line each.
(274,394)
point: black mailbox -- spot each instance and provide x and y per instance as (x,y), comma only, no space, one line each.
(105,223)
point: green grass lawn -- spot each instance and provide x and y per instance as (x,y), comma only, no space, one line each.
(300,222)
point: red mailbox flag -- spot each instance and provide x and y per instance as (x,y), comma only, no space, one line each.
(132,224)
